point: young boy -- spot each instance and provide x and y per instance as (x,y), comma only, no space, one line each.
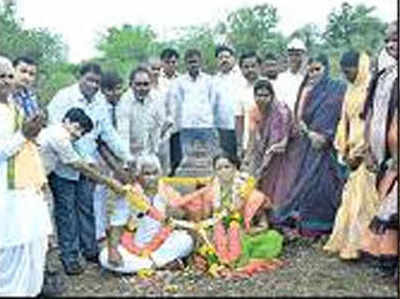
(56,146)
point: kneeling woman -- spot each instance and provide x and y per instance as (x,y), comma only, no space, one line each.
(151,243)
(272,156)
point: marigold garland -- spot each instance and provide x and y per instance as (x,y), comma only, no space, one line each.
(127,240)
(186,180)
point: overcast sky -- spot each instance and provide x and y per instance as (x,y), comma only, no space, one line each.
(81,21)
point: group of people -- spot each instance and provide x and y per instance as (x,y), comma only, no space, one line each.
(300,155)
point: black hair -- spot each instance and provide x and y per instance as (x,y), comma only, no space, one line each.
(110,80)
(90,67)
(270,56)
(220,49)
(224,155)
(192,52)
(249,54)
(350,59)
(25,59)
(263,83)
(140,69)
(169,53)
(77,115)
(321,58)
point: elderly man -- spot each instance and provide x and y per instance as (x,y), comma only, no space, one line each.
(193,103)
(24,216)
(25,76)
(288,83)
(250,65)
(226,81)
(71,189)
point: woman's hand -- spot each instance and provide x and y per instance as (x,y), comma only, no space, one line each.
(370,164)
(318,141)
(355,162)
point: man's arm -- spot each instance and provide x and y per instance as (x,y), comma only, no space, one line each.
(114,140)
(10,146)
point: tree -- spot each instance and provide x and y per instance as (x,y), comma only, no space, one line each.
(124,48)
(45,47)
(353,28)
(252,28)
(201,37)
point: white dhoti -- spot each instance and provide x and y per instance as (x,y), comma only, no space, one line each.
(25,227)
(179,244)
(100,210)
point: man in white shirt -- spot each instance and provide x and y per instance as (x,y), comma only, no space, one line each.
(250,65)
(112,88)
(140,118)
(71,189)
(226,83)
(192,98)
(288,83)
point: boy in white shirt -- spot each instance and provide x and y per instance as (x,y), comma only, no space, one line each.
(56,146)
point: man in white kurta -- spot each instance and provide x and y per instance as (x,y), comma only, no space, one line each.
(288,83)
(250,66)
(24,216)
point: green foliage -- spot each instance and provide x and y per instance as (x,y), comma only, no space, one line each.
(353,28)
(252,28)
(199,37)
(44,46)
(126,47)
(56,76)
(248,28)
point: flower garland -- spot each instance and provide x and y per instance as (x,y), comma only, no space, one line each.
(186,180)
(228,247)
(127,240)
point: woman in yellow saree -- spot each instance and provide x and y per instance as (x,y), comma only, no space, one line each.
(359,198)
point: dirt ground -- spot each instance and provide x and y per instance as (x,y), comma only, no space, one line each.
(308,272)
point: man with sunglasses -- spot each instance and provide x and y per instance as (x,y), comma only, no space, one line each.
(140,119)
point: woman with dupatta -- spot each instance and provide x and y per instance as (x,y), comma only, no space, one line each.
(315,196)
(241,242)
(271,156)
(381,113)
(359,199)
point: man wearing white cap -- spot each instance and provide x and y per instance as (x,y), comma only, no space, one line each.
(288,83)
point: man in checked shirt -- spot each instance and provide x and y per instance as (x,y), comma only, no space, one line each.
(25,77)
